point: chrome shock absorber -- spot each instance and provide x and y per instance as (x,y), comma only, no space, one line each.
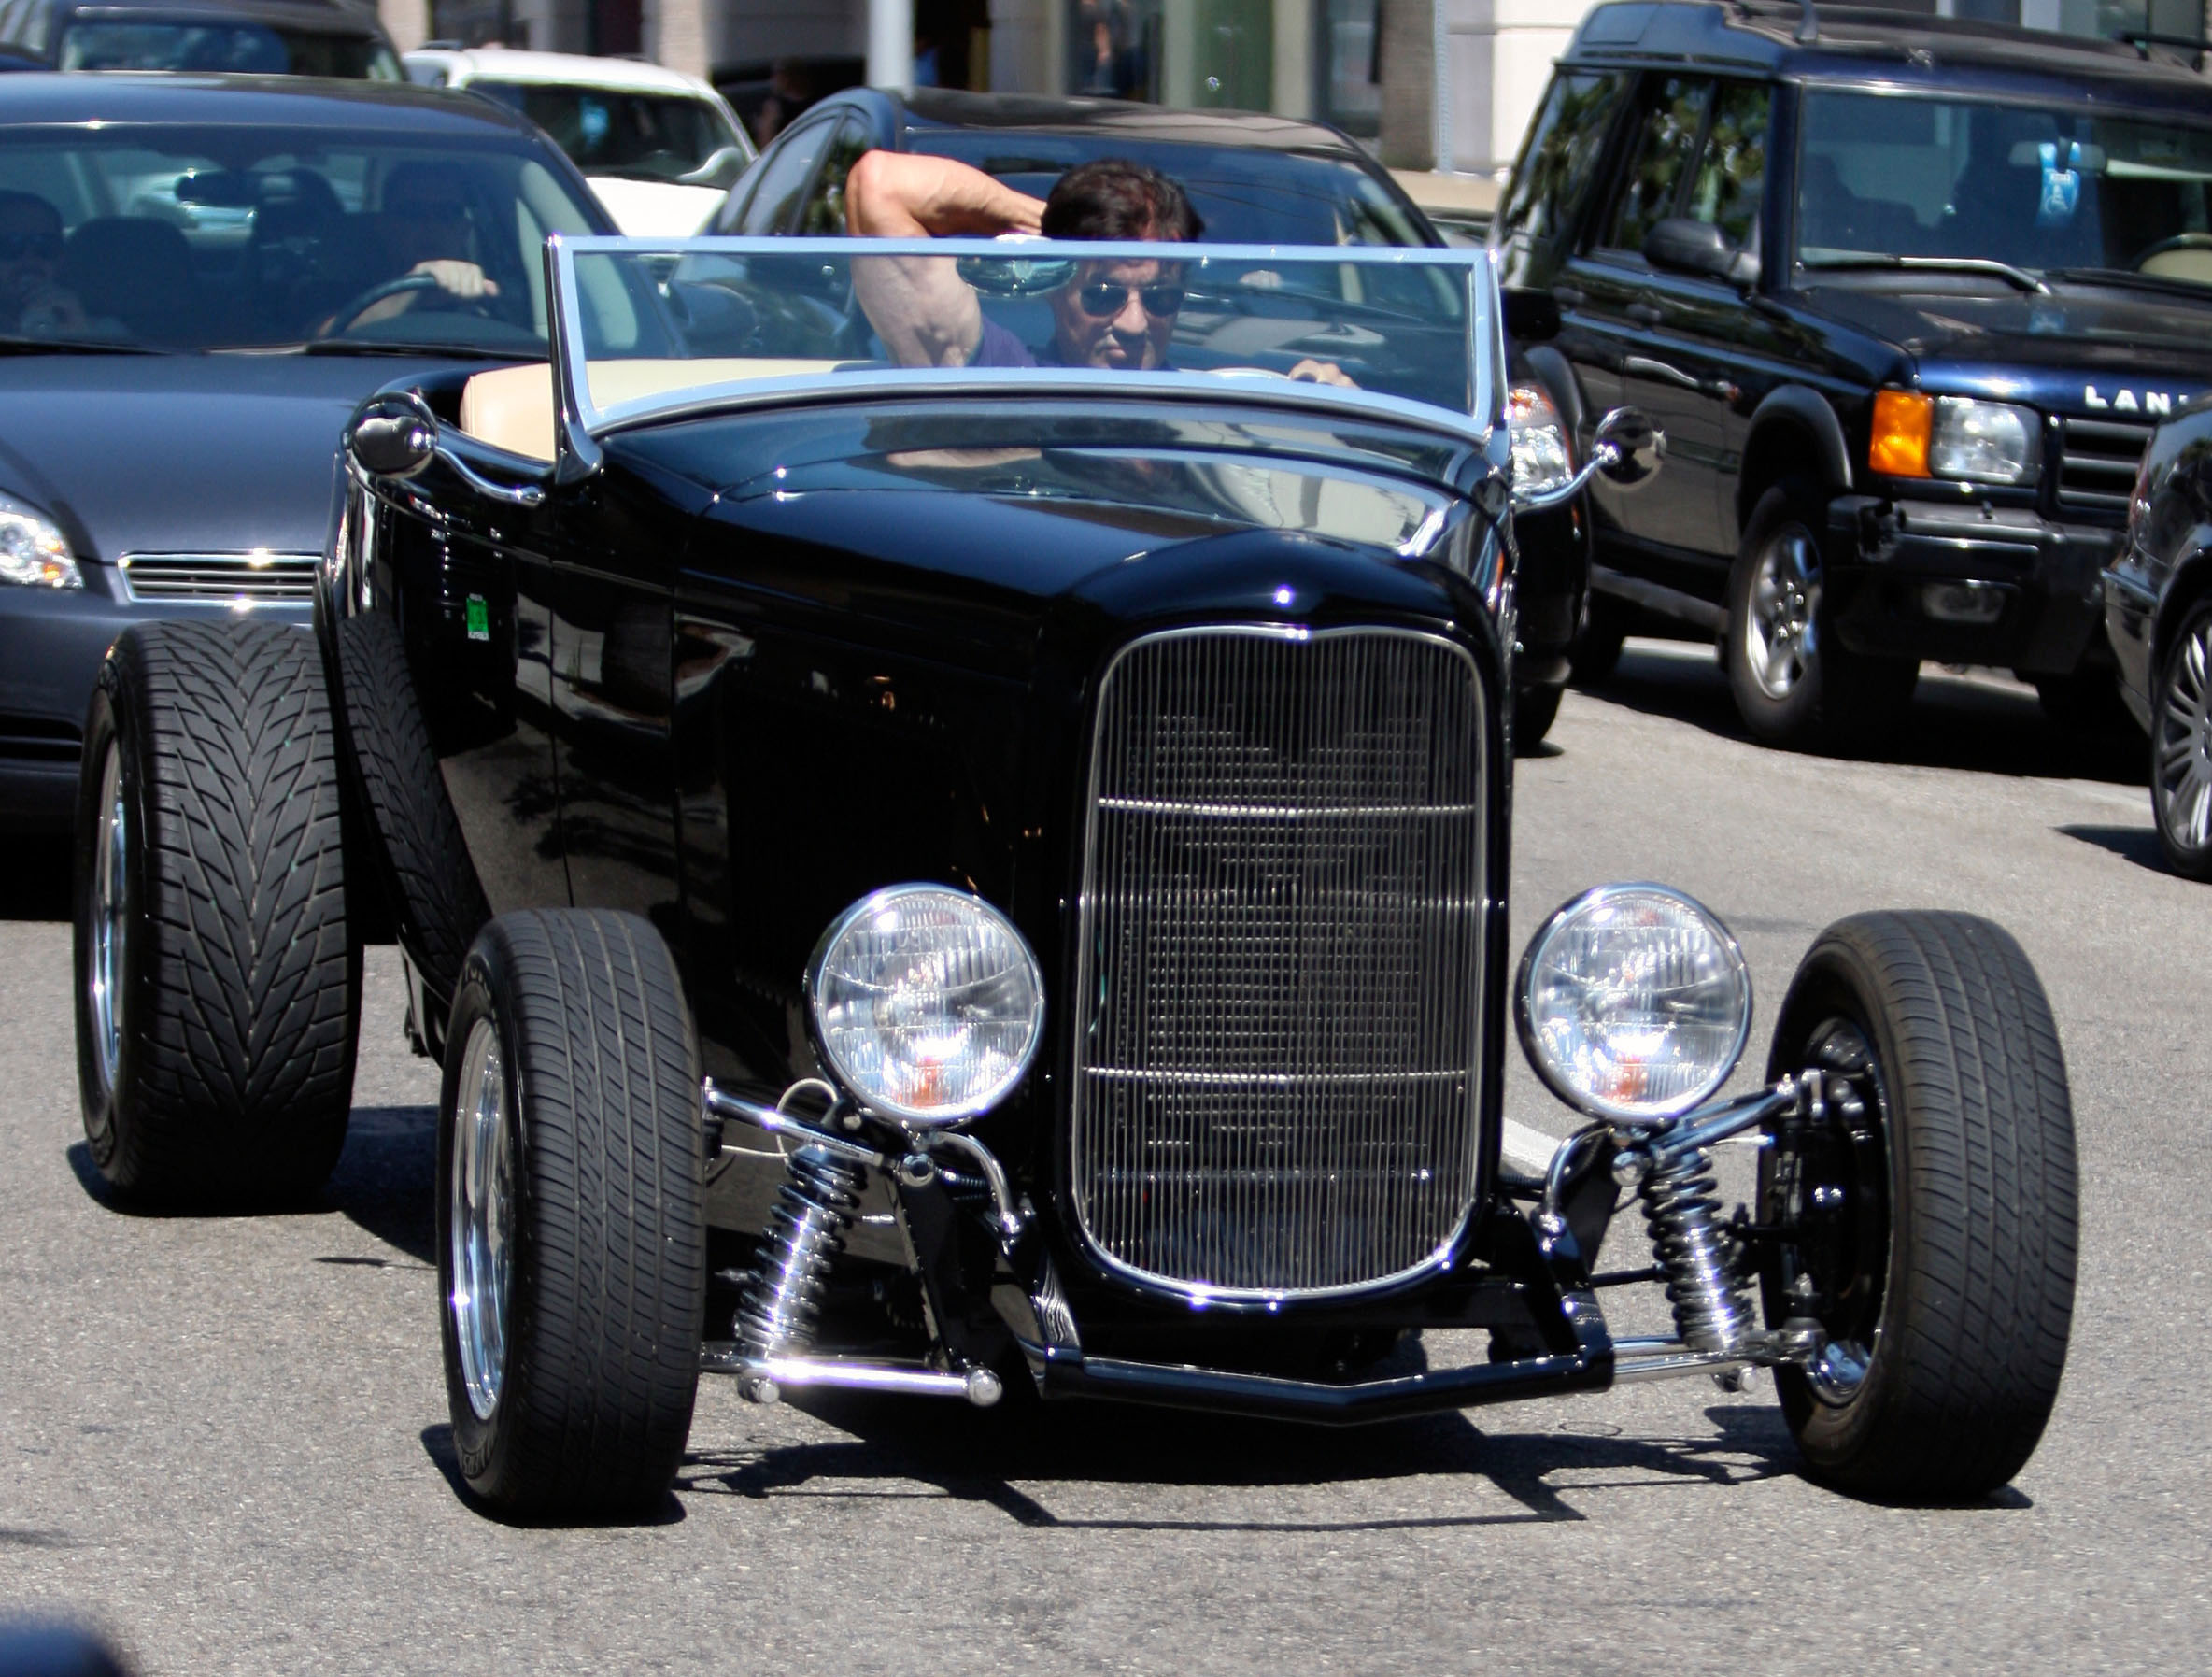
(806,1230)
(1712,1306)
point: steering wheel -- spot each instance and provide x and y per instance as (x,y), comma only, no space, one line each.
(361,304)
(2180,241)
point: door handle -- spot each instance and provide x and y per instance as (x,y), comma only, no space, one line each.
(1642,366)
(1644,314)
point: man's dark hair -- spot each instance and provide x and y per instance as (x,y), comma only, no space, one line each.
(1117,198)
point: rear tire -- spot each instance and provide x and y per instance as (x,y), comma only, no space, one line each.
(1934,1210)
(1535,709)
(217,978)
(572,1234)
(1793,685)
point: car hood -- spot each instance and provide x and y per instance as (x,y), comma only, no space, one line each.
(182,453)
(2072,351)
(656,209)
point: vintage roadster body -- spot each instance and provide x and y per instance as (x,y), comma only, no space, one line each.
(949,881)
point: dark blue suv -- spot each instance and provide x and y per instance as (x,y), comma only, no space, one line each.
(1906,296)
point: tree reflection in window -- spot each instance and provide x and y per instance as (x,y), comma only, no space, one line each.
(1665,140)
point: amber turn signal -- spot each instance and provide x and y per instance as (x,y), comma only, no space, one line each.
(1899,446)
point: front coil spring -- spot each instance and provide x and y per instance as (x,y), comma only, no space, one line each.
(1712,1306)
(806,1229)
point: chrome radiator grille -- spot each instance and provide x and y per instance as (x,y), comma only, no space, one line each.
(1278,1052)
(239,579)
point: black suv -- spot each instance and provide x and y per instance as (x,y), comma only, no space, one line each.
(1907,296)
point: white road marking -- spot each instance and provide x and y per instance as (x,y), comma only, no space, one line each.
(1531,1148)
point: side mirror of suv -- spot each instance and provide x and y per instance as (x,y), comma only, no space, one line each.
(1683,246)
(1531,317)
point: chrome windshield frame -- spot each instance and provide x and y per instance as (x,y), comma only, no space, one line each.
(581,423)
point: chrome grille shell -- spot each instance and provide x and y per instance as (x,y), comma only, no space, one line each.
(239,580)
(1278,1050)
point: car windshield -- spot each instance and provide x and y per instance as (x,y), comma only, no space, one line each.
(653,320)
(1245,197)
(236,237)
(640,136)
(2038,189)
(246,49)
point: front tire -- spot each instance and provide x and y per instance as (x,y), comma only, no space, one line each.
(1535,709)
(217,978)
(1792,684)
(2181,746)
(1928,1218)
(572,1235)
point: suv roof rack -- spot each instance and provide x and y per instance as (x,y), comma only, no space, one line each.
(2144,39)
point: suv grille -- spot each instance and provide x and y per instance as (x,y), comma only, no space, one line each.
(223,579)
(2098,460)
(1277,1068)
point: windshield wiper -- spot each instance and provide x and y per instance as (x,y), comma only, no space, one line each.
(2128,276)
(12,345)
(1939,265)
(341,346)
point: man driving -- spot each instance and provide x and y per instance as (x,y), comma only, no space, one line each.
(32,304)
(1118,314)
(425,229)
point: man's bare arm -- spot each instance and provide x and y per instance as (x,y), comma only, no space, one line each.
(919,306)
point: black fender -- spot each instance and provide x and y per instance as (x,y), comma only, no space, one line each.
(1793,423)
(1558,375)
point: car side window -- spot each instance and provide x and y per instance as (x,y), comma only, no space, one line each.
(783,174)
(1731,169)
(1666,136)
(824,214)
(1560,153)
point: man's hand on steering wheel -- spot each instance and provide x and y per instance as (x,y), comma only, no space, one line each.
(463,280)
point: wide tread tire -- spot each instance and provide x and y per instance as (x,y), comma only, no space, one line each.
(1842,699)
(438,899)
(609,1272)
(1595,652)
(1535,709)
(241,988)
(1978,1295)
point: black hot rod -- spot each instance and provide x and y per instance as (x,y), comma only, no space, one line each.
(1025,846)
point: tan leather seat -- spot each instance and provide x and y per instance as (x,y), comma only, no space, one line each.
(512,408)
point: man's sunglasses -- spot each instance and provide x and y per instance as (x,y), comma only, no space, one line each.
(14,246)
(1105,299)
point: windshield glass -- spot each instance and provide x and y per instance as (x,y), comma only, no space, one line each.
(1244,197)
(254,237)
(653,322)
(2038,189)
(642,136)
(244,49)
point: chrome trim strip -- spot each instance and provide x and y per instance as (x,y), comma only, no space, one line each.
(1088,978)
(236,580)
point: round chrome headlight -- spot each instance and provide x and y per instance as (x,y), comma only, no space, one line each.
(928,1005)
(1634,1003)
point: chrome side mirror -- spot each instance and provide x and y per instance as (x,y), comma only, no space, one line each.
(1626,448)
(392,435)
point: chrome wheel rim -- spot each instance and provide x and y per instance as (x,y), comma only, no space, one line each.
(1781,634)
(2181,755)
(111,934)
(483,1220)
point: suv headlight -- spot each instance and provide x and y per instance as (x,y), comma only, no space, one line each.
(928,1005)
(1984,442)
(1634,1003)
(32,552)
(1542,457)
(1954,436)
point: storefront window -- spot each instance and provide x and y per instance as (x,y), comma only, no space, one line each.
(1346,83)
(1113,49)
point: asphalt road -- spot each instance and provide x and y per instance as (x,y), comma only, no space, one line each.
(223,1442)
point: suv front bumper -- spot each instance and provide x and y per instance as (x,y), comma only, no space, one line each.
(1965,585)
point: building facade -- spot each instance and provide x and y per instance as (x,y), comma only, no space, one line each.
(1444,84)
